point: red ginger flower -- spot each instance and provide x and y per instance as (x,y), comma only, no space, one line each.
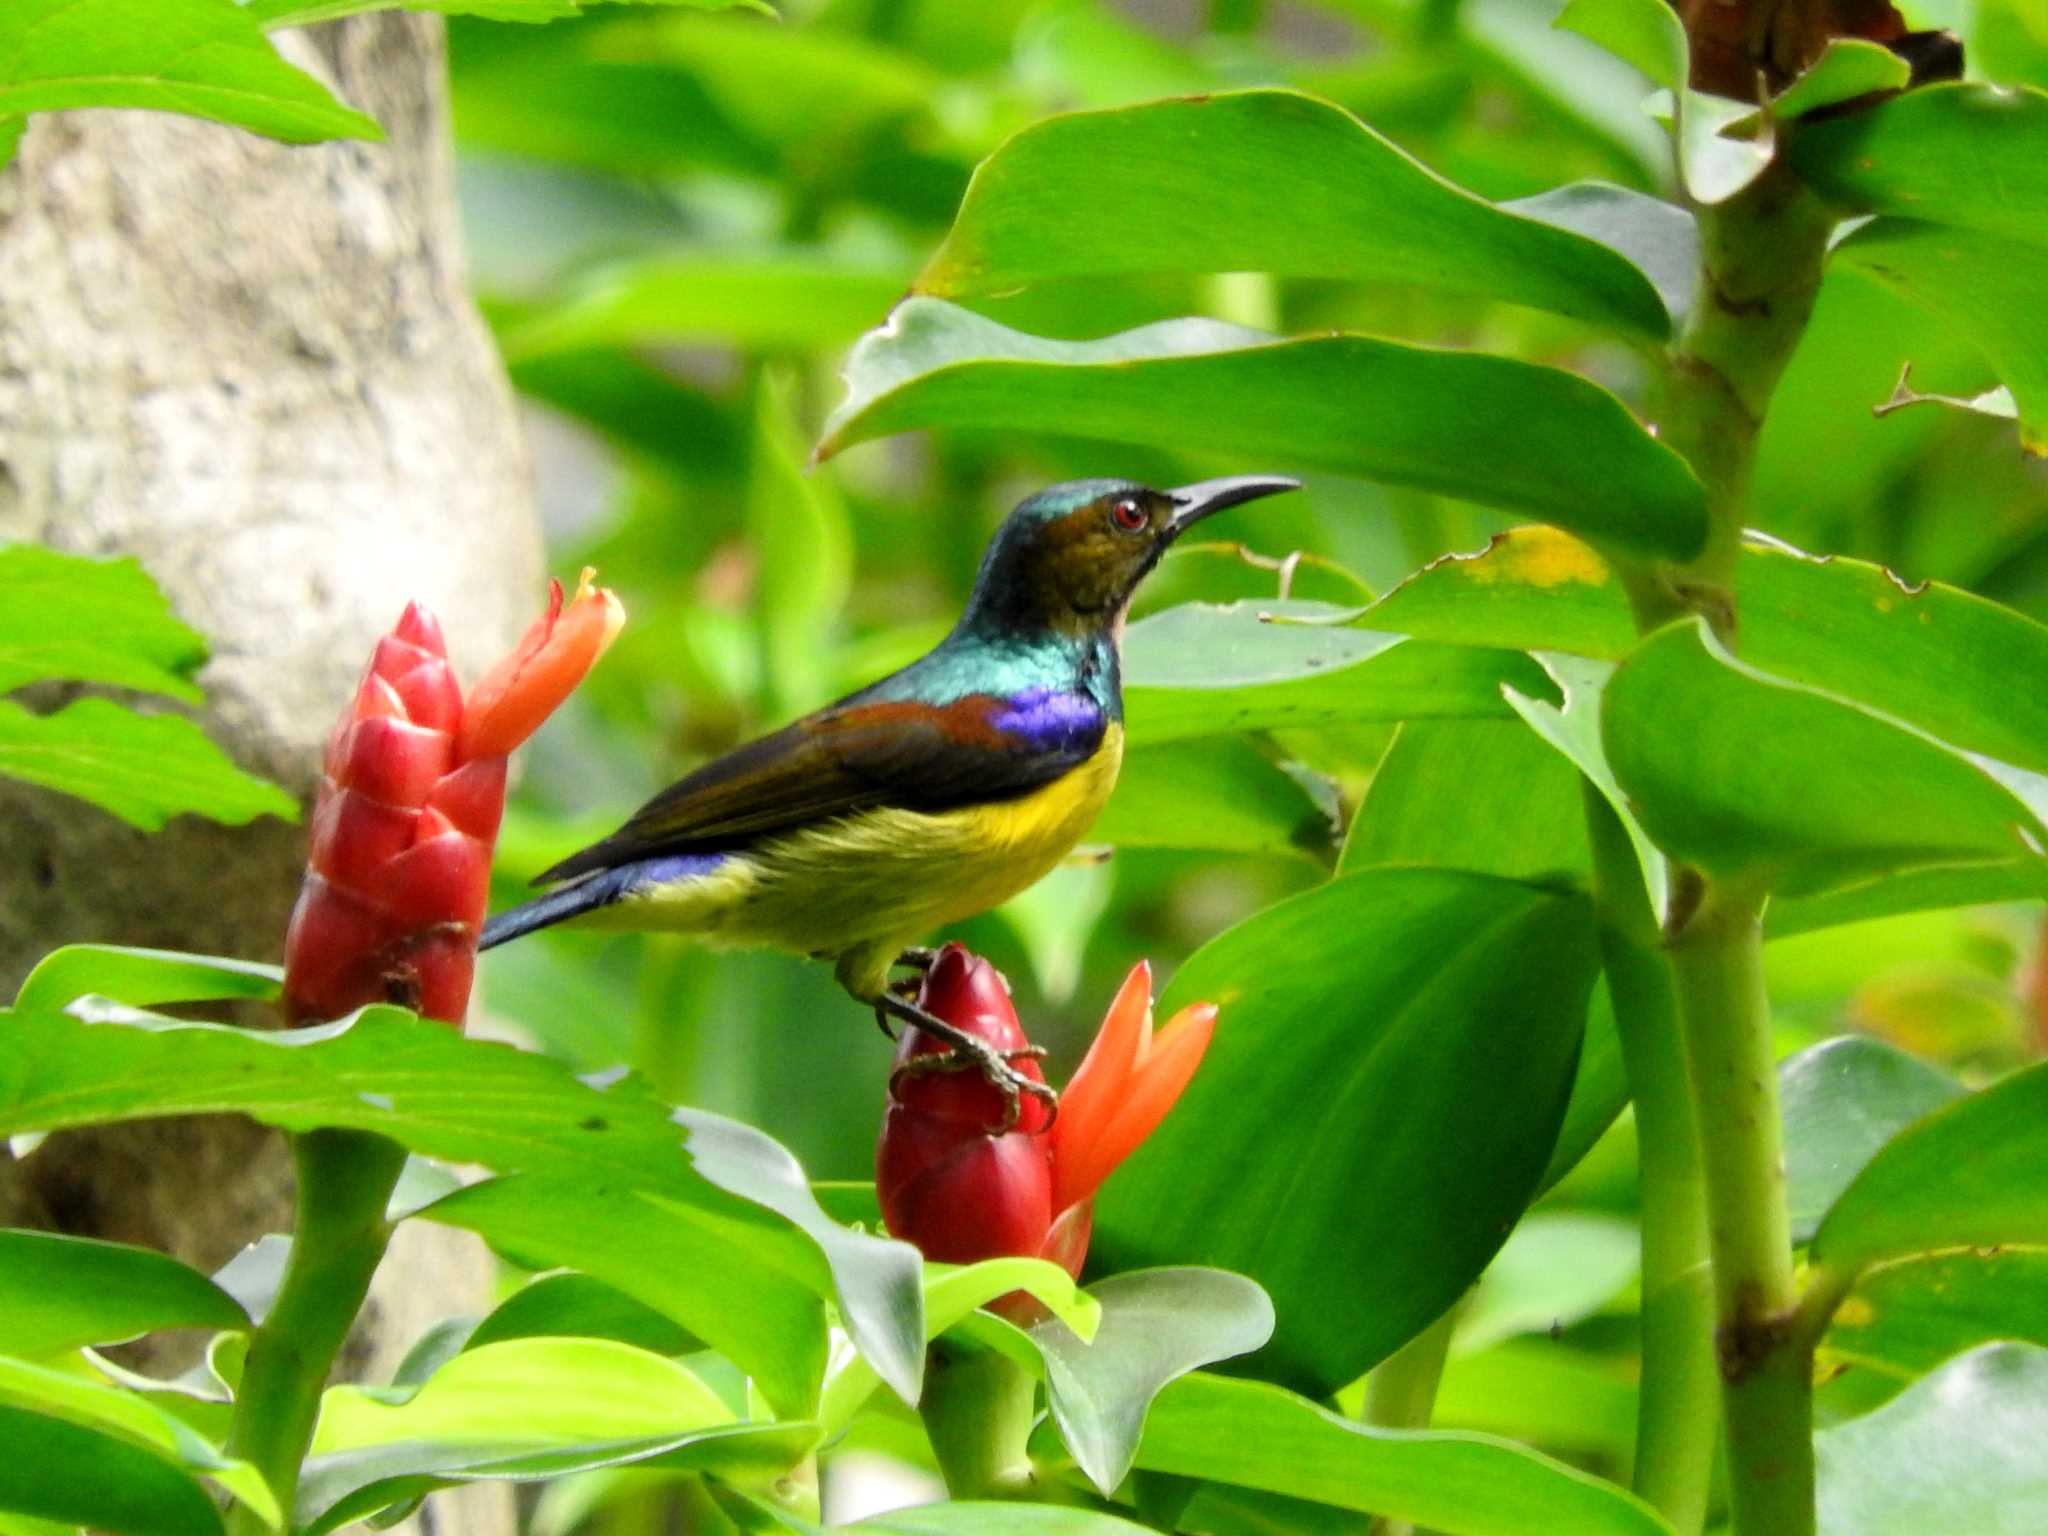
(413,787)
(960,1191)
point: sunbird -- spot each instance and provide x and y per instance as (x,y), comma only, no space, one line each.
(925,798)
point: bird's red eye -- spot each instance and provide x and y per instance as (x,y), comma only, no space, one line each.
(1129,513)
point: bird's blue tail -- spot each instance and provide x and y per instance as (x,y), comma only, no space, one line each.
(599,889)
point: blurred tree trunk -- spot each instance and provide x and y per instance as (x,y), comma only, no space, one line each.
(256,368)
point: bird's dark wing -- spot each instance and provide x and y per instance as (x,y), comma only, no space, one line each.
(859,756)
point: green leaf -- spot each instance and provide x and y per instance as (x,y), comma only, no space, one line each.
(77,1476)
(1485,795)
(1432,1019)
(1904,1319)
(143,978)
(59,1292)
(1841,1101)
(207,58)
(98,621)
(1218,793)
(1987,286)
(140,1419)
(1556,1268)
(1535,1390)
(577,1306)
(276,14)
(11,129)
(1201,670)
(1959,1451)
(1488,429)
(468,1101)
(143,768)
(1258,1436)
(1974,1173)
(1975,156)
(1848,68)
(349,1486)
(758,300)
(1932,655)
(1660,238)
(1753,778)
(803,548)
(1645,33)
(1261,181)
(971,1519)
(769,1322)
(1157,1325)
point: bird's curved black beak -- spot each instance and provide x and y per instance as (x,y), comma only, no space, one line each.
(1192,503)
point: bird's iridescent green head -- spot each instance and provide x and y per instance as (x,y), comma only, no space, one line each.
(1069,558)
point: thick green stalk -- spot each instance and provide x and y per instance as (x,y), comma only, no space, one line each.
(978,1409)
(1766,1376)
(345,1179)
(1760,268)
(1401,1392)
(1678,1406)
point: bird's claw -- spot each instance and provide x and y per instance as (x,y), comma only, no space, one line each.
(993,1065)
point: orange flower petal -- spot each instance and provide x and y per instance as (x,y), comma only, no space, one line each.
(1081,1163)
(1099,1083)
(514,697)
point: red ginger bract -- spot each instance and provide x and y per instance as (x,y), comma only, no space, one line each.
(411,794)
(951,1184)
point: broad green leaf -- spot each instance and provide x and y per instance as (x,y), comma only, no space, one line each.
(971,1519)
(766,1319)
(141,1418)
(578,1306)
(1911,890)
(1660,238)
(1973,155)
(1972,1174)
(1751,777)
(143,978)
(1535,1390)
(1959,1451)
(11,129)
(1432,1019)
(1157,1325)
(1904,1319)
(757,300)
(1201,670)
(1599,1091)
(1485,795)
(65,1472)
(1841,1101)
(1259,1436)
(338,1490)
(1556,1268)
(1487,429)
(99,621)
(1987,286)
(1848,68)
(1261,181)
(58,1292)
(803,547)
(145,769)
(1219,793)
(1645,33)
(470,1101)
(1930,654)
(541,1391)
(207,58)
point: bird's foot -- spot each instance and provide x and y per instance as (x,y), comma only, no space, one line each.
(971,1053)
(917,957)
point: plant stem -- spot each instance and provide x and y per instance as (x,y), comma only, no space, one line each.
(1767,1379)
(978,1409)
(1678,1405)
(345,1179)
(1401,1392)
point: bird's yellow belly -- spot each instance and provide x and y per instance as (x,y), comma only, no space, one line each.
(864,886)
